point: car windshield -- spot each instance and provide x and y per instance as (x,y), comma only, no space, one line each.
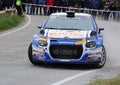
(68,23)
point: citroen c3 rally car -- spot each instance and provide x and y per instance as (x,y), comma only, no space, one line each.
(68,38)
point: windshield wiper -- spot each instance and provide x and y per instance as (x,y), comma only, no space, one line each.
(53,28)
(63,28)
(49,28)
(74,29)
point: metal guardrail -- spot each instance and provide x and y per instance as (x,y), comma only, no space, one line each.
(2,12)
(7,10)
(100,14)
(37,9)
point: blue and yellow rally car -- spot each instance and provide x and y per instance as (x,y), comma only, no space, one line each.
(68,38)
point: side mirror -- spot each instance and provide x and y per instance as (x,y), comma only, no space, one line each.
(100,29)
(39,26)
(93,33)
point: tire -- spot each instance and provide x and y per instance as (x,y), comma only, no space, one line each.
(30,55)
(103,59)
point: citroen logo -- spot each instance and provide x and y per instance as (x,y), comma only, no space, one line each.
(66,38)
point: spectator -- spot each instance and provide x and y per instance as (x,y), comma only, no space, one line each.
(71,3)
(101,4)
(9,4)
(33,10)
(118,10)
(117,5)
(112,8)
(64,4)
(3,4)
(106,10)
(44,8)
(23,5)
(58,3)
(1,8)
(50,3)
(87,4)
(77,4)
(83,3)
(28,6)
(18,7)
(95,4)
(101,7)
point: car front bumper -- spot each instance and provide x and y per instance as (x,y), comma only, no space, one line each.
(44,54)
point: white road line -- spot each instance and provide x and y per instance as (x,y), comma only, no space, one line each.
(72,77)
(8,33)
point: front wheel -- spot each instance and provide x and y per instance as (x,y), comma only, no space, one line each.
(30,55)
(103,58)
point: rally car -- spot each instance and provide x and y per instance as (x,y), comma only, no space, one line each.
(68,37)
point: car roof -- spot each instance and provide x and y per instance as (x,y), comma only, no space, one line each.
(76,14)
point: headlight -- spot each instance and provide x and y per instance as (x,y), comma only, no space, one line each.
(91,38)
(42,43)
(90,44)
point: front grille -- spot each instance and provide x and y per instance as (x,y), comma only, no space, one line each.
(66,51)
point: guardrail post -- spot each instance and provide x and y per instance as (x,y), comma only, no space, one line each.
(111,16)
(35,10)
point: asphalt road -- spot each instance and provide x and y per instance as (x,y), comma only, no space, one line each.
(15,68)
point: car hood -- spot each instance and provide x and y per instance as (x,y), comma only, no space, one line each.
(66,33)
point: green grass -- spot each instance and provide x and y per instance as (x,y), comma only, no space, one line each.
(113,81)
(8,21)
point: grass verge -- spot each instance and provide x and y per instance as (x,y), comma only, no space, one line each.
(113,81)
(8,21)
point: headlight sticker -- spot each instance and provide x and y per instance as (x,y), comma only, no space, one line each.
(80,42)
(42,39)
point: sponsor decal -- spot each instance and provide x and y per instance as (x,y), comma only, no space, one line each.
(94,54)
(65,60)
(66,33)
(65,52)
(66,42)
(38,51)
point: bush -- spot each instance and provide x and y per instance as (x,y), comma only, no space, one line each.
(8,21)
